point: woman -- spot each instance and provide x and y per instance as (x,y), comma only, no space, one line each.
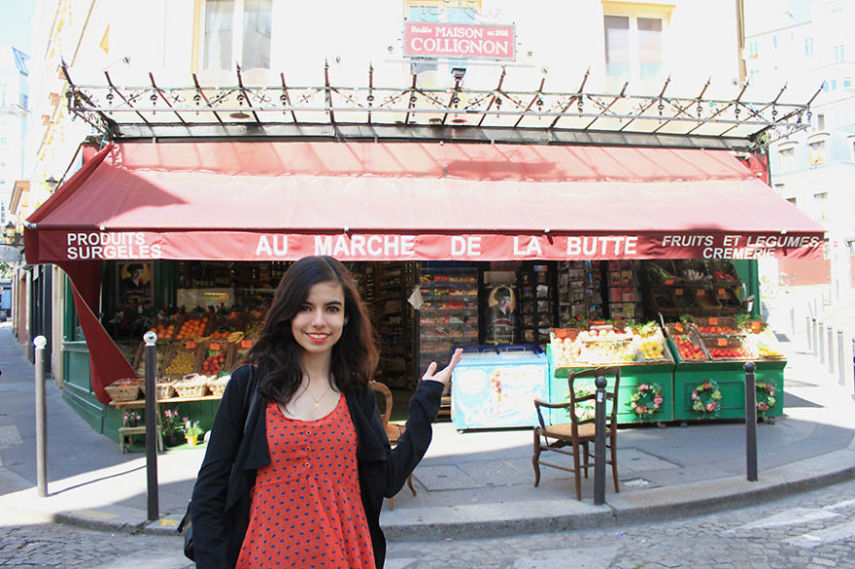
(301,479)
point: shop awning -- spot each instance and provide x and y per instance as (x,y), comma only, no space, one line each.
(256,201)
(250,201)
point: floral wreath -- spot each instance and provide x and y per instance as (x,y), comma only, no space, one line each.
(765,396)
(646,400)
(706,398)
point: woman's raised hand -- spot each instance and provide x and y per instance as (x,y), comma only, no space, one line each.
(444,375)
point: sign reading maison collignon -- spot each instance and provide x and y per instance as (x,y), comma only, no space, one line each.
(459,41)
(236,245)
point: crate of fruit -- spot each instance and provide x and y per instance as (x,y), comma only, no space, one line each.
(193,326)
(687,341)
(192,385)
(164,388)
(181,358)
(217,385)
(565,349)
(215,356)
(715,325)
(725,347)
(124,389)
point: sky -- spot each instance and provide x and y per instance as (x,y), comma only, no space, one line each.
(15,25)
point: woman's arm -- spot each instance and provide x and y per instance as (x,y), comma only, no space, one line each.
(209,492)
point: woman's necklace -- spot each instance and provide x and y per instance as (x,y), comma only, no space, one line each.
(317,400)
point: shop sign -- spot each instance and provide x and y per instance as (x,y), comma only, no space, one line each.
(459,41)
(58,245)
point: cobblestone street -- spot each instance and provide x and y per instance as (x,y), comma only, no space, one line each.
(814,530)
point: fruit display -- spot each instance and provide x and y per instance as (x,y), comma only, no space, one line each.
(182,362)
(763,343)
(728,353)
(164,329)
(214,363)
(192,327)
(687,349)
(650,341)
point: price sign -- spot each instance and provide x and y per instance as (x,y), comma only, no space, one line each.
(246,343)
(669,281)
(713,321)
(701,292)
(214,346)
(678,291)
(190,345)
(722,342)
(722,292)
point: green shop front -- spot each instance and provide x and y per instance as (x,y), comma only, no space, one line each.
(190,238)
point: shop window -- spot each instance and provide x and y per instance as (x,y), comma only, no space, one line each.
(634,45)
(820,201)
(808,47)
(236,31)
(817,153)
(788,158)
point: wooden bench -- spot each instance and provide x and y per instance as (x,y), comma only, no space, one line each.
(140,430)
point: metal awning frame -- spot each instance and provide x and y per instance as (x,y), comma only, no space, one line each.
(416,113)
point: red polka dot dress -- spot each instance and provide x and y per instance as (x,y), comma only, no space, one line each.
(306,505)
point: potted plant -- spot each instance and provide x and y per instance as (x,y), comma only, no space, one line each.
(131,418)
(192,431)
(170,426)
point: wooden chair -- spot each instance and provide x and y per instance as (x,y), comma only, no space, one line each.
(393,430)
(579,432)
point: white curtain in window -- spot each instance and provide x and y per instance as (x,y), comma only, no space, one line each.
(217,40)
(257,16)
(649,47)
(617,45)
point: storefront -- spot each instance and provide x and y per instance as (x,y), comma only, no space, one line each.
(453,243)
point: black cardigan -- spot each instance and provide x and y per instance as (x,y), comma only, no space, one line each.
(221,502)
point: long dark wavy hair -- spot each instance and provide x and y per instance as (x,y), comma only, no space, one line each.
(277,355)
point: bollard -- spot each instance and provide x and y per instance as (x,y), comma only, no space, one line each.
(841,361)
(41,416)
(821,335)
(807,334)
(830,351)
(600,442)
(150,339)
(750,423)
(815,348)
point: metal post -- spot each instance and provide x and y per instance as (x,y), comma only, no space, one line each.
(808,333)
(815,342)
(830,350)
(41,416)
(600,442)
(841,361)
(150,339)
(821,335)
(750,423)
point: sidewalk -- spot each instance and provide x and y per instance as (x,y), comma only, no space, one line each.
(471,484)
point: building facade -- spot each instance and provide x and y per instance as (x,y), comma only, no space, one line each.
(808,46)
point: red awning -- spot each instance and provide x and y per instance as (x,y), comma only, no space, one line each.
(254,201)
(399,201)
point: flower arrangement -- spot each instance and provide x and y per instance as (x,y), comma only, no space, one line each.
(191,428)
(646,400)
(131,418)
(706,398)
(169,422)
(765,396)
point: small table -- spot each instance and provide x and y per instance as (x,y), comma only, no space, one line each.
(139,430)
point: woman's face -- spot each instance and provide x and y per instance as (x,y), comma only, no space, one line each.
(318,323)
